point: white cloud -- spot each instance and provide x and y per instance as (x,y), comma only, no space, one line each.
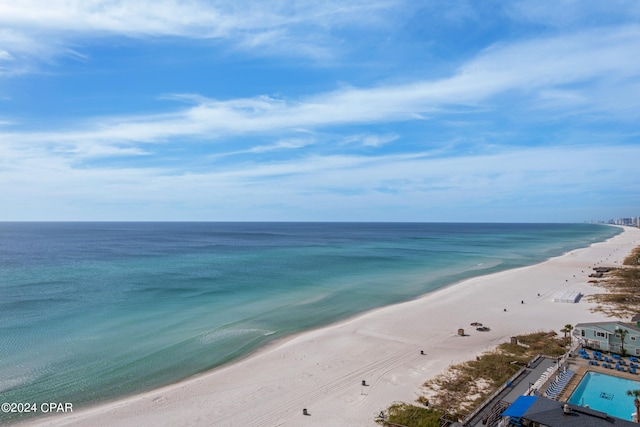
(287,144)
(371,140)
(399,185)
(538,70)
(586,73)
(39,30)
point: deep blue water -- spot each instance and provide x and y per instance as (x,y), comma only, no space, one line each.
(92,311)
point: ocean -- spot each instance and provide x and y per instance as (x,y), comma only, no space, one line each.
(95,311)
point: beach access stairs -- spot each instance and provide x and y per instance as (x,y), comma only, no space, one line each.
(494,415)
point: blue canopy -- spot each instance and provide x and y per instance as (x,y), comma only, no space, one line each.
(520,406)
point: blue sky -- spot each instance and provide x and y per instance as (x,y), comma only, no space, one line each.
(377,110)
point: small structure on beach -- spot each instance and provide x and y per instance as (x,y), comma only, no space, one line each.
(568,296)
(461,332)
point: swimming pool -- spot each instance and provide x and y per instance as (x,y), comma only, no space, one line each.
(606,393)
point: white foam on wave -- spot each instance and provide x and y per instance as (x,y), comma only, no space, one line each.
(217,335)
(16,381)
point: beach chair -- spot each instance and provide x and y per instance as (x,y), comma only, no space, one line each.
(556,387)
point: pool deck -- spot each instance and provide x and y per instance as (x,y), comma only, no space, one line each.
(581,367)
(521,383)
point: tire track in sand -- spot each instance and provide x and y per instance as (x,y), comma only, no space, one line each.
(278,414)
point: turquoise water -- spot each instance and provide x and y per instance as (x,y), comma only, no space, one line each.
(94,311)
(606,393)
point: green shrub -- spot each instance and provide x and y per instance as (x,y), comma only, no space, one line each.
(412,416)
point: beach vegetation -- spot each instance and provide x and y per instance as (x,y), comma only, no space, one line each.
(633,258)
(622,333)
(622,296)
(462,387)
(534,343)
(566,330)
(636,401)
(405,414)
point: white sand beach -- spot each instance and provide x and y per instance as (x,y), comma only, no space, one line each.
(323,370)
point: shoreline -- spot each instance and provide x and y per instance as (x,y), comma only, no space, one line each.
(323,369)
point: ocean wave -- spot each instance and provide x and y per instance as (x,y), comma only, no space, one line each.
(222,334)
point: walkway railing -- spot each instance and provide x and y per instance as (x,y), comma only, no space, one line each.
(493,395)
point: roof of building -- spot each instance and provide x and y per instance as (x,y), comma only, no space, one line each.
(636,318)
(551,413)
(519,406)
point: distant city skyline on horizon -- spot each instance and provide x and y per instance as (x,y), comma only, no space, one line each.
(368,111)
(633,221)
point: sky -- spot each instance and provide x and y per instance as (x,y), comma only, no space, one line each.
(326,110)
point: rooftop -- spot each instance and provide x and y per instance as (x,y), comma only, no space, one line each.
(552,413)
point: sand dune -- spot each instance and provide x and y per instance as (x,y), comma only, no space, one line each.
(323,370)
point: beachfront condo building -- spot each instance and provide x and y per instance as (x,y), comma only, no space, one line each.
(609,336)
